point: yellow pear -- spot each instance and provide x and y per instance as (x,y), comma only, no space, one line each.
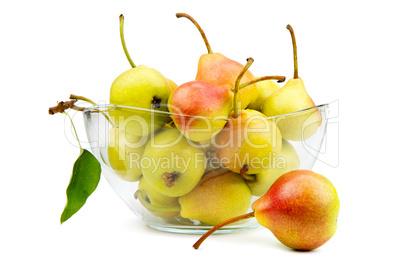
(141,87)
(157,203)
(286,160)
(124,152)
(291,98)
(220,195)
(172,84)
(171,165)
(264,89)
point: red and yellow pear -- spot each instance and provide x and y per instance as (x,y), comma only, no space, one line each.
(301,209)
(248,139)
(218,70)
(200,109)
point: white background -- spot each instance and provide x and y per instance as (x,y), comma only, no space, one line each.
(349,52)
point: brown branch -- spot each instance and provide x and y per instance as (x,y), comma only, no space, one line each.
(64,105)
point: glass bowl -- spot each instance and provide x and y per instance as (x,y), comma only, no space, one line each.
(176,184)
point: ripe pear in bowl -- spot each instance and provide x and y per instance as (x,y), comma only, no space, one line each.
(157,203)
(218,70)
(265,89)
(301,209)
(291,98)
(141,87)
(248,140)
(200,109)
(124,152)
(220,195)
(144,88)
(171,165)
(284,161)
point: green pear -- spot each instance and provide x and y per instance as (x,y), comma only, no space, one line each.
(144,88)
(291,98)
(264,88)
(220,195)
(171,165)
(284,161)
(157,203)
(124,153)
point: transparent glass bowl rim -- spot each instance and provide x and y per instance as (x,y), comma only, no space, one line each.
(106,107)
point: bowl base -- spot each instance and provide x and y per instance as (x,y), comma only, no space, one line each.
(202,229)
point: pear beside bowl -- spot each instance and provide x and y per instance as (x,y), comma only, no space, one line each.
(160,176)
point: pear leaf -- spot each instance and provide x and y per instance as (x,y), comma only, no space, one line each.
(83,182)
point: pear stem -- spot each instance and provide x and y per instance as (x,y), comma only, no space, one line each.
(75,131)
(216,227)
(75,97)
(296,68)
(280,79)
(180,15)
(123,42)
(138,194)
(246,176)
(236,89)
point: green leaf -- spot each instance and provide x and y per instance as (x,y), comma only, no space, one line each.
(83,182)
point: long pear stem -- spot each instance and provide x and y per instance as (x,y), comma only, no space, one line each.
(280,79)
(216,227)
(76,97)
(123,42)
(237,83)
(296,68)
(75,131)
(180,15)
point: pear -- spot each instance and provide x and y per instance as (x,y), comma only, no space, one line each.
(283,162)
(220,195)
(140,87)
(218,70)
(291,98)
(301,209)
(158,204)
(171,165)
(264,88)
(172,84)
(248,138)
(200,109)
(124,153)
